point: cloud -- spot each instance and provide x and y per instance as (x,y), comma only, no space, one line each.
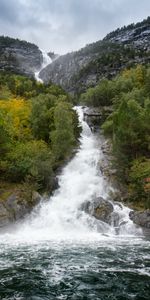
(66,25)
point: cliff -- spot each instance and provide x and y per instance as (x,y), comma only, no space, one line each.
(19,57)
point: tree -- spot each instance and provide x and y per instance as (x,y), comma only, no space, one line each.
(62,137)
(16,113)
(30,159)
(139,176)
(42,116)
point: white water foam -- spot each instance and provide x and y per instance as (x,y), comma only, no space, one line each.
(61,217)
(46,61)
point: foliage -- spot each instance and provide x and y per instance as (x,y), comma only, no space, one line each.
(38,129)
(16,114)
(101,95)
(32,159)
(62,136)
(129,127)
(25,87)
(139,177)
(42,116)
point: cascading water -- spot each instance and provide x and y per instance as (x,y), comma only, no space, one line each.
(81,180)
(60,252)
(46,61)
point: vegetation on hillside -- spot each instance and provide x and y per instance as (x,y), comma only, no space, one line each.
(109,61)
(6,41)
(138,27)
(129,126)
(38,130)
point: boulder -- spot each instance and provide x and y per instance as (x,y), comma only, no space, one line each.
(36,197)
(14,207)
(4,216)
(99,208)
(141,218)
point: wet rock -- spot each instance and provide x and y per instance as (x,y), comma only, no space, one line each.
(4,215)
(36,197)
(99,208)
(141,218)
(15,207)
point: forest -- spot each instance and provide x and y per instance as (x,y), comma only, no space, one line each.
(38,130)
(128,126)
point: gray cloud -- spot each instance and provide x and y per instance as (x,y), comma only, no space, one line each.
(66,25)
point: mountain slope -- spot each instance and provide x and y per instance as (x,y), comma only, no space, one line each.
(19,56)
(122,48)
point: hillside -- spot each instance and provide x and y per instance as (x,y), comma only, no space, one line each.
(19,56)
(122,48)
(38,132)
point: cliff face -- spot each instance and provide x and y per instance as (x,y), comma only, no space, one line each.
(122,48)
(19,56)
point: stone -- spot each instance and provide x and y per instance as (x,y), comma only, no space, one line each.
(4,216)
(99,208)
(15,207)
(36,197)
(141,218)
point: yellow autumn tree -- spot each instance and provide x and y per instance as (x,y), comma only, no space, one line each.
(16,113)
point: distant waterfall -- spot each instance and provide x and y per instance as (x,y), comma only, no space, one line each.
(46,61)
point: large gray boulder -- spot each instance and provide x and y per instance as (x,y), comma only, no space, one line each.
(99,208)
(141,218)
(14,207)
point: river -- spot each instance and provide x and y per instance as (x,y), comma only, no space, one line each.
(60,252)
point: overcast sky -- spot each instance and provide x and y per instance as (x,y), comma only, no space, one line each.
(66,25)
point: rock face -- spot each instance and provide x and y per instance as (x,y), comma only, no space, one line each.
(13,209)
(141,218)
(122,48)
(63,68)
(19,57)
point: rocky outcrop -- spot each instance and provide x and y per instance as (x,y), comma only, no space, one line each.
(19,57)
(141,218)
(15,207)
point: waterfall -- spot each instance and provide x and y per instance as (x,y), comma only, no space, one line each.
(61,217)
(46,61)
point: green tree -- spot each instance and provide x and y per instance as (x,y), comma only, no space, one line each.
(139,177)
(42,116)
(30,159)
(63,136)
